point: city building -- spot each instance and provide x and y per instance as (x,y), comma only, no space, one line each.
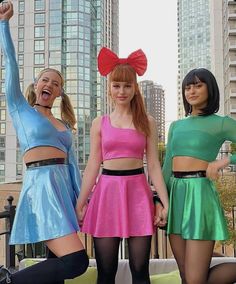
(194,48)
(154,96)
(66,35)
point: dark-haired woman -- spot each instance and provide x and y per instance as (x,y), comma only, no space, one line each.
(196,219)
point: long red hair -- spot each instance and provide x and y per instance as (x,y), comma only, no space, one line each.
(125,73)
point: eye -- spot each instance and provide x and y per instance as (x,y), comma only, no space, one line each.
(187,88)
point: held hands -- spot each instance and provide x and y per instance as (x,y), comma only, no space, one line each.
(161,214)
(80,212)
(6,10)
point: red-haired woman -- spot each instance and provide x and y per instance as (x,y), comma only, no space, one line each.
(121,205)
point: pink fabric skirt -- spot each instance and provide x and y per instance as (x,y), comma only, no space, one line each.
(120,206)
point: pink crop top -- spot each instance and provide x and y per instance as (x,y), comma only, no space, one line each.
(121,142)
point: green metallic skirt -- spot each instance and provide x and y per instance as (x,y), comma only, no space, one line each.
(195,210)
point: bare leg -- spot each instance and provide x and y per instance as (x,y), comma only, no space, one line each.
(198,256)
(71,261)
(178,246)
(224,273)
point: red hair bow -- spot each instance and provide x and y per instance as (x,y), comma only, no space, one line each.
(108,60)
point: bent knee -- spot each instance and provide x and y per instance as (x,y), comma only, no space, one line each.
(75,264)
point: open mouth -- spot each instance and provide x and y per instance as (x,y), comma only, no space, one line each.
(46,94)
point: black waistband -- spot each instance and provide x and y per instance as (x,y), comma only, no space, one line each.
(192,174)
(53,161)
(123,172)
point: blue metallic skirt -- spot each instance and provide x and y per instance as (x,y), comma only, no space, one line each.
(46,206)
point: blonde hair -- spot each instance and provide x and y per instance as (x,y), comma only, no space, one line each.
(66,108)
(125,73)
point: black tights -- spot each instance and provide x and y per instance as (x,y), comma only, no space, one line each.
(106,252)
(53,270)
(224,273)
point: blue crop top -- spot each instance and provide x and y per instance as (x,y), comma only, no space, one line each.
(32,128)
(200,137)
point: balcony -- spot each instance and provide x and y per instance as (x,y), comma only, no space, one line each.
(233,108)
(232,60)
(232,93)
(232,45)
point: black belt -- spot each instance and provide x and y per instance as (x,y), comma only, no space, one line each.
(123,172)
(192,174)
(47,162)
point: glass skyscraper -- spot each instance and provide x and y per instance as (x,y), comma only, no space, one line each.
(193,40)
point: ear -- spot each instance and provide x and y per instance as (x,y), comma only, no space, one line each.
(62,92)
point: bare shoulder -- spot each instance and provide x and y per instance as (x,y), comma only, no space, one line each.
(151,120)
(96,123)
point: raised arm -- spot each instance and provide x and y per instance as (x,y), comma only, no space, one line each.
(12,83)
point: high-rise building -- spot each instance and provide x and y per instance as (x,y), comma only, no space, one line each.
(229,52)
(193,40)
(66,35)
(154,96)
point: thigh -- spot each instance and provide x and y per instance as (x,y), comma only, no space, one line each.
(178,246)
(65,245)
(197,260)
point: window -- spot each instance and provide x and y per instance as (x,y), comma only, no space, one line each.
(19,169)
(2,142)
(39,58)
(39,5)
(21,6)
(20,59)
(20,33)
(39,19)
(2,128)
(39,45)
(2,156)
(21,19)
(20,46)
(2,114)
(2,170)
(39,32)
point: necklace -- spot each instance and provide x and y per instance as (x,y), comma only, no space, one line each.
(43,106)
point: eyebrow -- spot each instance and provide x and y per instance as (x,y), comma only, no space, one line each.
(54,81)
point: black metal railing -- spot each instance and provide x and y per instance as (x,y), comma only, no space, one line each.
(8,215)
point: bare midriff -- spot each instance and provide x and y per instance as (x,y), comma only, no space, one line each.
(123,164)
(43,153)
(188,164)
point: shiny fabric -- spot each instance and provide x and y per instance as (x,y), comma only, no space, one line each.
(200,137)
(32,128)
(108,60)
(195,212)
(120,206)
(46,207)
(121,142)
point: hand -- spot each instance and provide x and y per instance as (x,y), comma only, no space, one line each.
(80,212)
(6,10)
(160,215)
(212,171)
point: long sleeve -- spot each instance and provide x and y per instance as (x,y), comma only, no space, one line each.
(167,166)
(229,133)
(14,95)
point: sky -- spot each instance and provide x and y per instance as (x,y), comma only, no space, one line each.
(152,26)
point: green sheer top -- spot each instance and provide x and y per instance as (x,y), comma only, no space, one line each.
(200,137)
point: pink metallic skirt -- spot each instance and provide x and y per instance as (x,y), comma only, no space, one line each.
(120,206)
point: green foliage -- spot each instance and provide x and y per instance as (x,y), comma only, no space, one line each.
(226,186)
(161,152)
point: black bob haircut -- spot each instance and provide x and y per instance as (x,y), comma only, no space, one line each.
(205,76)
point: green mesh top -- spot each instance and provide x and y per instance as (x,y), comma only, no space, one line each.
(200,137)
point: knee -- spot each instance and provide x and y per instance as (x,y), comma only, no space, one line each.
(75,264)
(195,279)
(139,271)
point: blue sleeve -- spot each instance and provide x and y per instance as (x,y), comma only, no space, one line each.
(14,95)
(74,171)
(167,166)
